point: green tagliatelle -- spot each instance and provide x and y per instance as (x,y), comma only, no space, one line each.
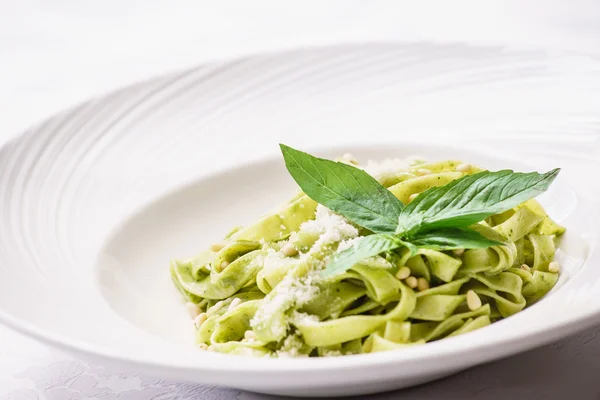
(260,293)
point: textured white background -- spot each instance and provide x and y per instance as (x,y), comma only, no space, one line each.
(55,54)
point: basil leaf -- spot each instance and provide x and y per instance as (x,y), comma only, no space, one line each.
(364,247)
(453,238)
(345,190)
(471,199)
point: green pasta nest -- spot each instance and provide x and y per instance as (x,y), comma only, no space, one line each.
(263,292)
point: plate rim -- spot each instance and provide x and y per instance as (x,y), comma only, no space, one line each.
(211,363)
(437,350)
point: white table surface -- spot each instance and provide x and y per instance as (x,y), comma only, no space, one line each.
(55,54)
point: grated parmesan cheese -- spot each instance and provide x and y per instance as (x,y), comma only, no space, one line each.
(291,347)
(330,227)
(304,318)
(293,291)
(390,167)
(346,244)
(386,169)
(272,260)
(332,353)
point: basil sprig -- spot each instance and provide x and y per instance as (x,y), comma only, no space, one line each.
(436,219)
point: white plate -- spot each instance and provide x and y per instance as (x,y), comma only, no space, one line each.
(95,201)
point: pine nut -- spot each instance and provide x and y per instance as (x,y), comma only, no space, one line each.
(422,284)
(403,273)
(458,252)
(289,250)
(217,247)
(249,335)
(473,300)
(203,346)
(350,158)
(217,306)
(200,319)
(234,303)
(192,309)
(411,282)
(463,167)
(424,171)
(525,267)
(554,267)
(224,265)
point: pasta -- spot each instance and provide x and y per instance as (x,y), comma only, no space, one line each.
(260,292)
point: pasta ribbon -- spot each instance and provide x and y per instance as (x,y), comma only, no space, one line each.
(353,327)
(405,189)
